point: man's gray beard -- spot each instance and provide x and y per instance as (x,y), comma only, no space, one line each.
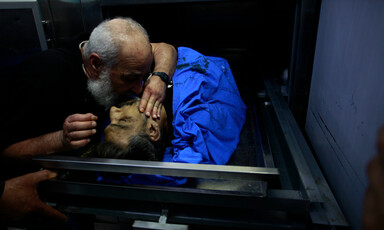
(101,89)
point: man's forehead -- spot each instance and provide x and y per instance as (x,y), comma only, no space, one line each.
(135,101)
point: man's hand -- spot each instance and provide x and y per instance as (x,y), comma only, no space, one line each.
(373,213)
(153,97)
(77,130)
(20,199)
(165,59)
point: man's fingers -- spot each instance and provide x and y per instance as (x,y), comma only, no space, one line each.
(80,125)
(155,110)
(144,101)
(48,211)
(77,129)
(79,143)
(82,117)
(380,144)
(159,110)
(150,105)
(78,135)
(153,96)
(37,177)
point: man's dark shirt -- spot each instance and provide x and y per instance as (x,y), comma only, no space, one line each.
(45,89)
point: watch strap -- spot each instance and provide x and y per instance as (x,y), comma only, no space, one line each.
(164,77)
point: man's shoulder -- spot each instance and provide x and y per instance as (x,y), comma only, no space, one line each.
(52,62)
(55,56)
(67,53)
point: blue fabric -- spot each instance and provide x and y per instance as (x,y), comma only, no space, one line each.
(208,115)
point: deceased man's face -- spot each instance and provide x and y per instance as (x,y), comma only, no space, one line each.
(127,121)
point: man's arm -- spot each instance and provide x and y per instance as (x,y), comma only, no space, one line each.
(165,59)
(45,144)
(76,132)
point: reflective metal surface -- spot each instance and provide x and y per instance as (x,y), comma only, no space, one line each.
(158,168)
(185,205)
(324,208)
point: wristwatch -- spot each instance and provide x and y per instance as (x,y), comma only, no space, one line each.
(164,77)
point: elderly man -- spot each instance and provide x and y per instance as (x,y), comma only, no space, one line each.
(75,85)
(54,85)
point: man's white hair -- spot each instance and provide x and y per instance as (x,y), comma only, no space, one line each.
(107,38)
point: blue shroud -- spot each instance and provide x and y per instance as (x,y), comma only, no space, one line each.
(208,115)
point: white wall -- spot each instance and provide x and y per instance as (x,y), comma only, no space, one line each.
(346,105)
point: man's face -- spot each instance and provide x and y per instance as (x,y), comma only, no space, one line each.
(126,121)
(133,66)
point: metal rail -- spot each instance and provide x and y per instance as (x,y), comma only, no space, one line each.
(277,200)
(184,205)
(158,168)
(324,209)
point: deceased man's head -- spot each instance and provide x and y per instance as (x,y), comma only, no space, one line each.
(132,135)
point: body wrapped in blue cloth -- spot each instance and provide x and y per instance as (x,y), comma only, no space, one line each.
(208,116)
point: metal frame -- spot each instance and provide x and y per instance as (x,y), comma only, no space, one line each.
(158,168)
(301,197)
(33,5)
(302,56)
(185,205)
(324,209)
